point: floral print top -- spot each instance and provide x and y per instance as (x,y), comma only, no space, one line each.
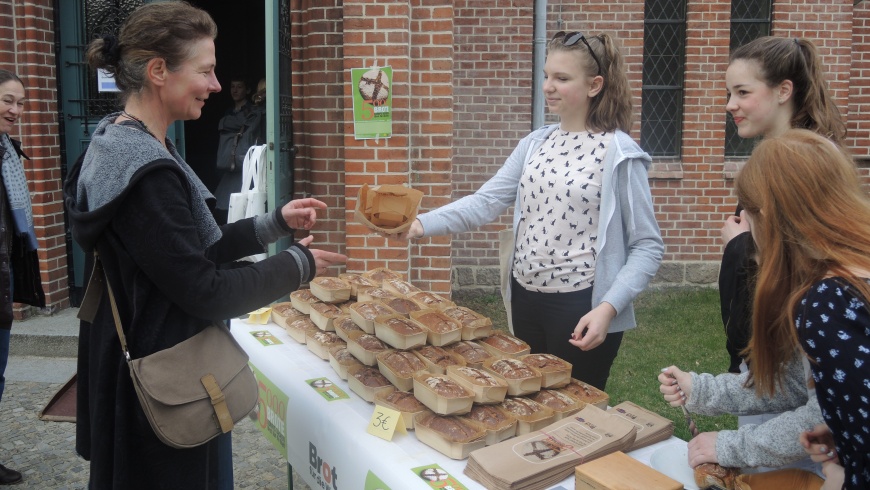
(833,325)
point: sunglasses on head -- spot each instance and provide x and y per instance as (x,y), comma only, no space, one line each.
(572,38)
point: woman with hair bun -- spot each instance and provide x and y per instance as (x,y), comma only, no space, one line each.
(134,199)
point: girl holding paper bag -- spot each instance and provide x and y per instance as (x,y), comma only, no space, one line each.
(585,238)
(133,199)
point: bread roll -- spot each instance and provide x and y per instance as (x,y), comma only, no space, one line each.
(707,474)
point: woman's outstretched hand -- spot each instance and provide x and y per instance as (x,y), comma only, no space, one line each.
(322,258)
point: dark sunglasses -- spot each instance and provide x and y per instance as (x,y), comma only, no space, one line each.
(572,38)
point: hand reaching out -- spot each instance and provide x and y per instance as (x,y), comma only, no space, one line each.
(415,231)
(676,385)
(322,258)
(301,214)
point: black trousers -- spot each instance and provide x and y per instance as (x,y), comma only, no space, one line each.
(546,321)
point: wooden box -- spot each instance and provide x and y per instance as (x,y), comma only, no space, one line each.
(404,403)
(430,389)
(324,314)
(474,325)
(475,437)
(366,347)
(344,325)
(402,378)
(505,345)
(437,359)
(301,299)
(555,371)
(365,312)
(300,328)
(330,289)
(356,282)
(367,382)
(283,313)
(498,423)
(440,328)
(617,471)
(521,378)
(471,352)
(320,342)
(530,415)
(399,332)
(487,388)
(341,360)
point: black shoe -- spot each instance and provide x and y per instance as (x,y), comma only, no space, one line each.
(8,477)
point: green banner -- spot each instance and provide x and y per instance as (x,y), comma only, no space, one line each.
(271,411)
(372,102)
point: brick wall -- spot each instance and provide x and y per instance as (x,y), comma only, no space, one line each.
(27,48)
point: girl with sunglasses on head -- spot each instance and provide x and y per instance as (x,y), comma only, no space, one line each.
(586,241)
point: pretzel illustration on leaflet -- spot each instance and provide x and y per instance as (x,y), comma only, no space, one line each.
(374,86)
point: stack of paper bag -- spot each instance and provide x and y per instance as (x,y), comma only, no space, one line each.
(651,427)
(389,209)
(545,457)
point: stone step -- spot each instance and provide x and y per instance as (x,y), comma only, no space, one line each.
(55,335)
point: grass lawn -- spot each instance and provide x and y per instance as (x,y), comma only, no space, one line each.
(676,326)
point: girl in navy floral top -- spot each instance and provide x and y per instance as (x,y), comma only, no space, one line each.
(810,220)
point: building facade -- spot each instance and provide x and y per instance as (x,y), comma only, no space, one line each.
(462,98)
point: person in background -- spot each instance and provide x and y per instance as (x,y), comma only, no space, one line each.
(774,84)
(810,219)
(239,92)
(132,198)
(586,241)
(20,281)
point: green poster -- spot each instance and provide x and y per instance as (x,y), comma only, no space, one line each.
(372,102)
(438,478)
(327,389)
(271,411)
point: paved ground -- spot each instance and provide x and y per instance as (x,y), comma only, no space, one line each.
(44,451)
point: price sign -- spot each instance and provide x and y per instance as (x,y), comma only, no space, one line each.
(385,422)
(260,317)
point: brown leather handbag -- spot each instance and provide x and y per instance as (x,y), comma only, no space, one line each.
(192,392)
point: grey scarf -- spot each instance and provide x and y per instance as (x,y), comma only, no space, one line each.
(17,193)
(116,152)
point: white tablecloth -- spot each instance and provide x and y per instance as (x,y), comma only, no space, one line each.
(324,434)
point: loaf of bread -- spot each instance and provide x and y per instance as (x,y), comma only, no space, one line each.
(371,377)
(330,283)
(403,363)
(587,393)
(381,274)
(446,387)
(327,339)
(401,305)
(478,376)
(506,343)
(491,417)
(522,407)
(286,309)
(471,352)
(428,300)
(437,322)
(370,309)
(403,326)
(371,343)
(707,474)
(328,310)
(404,401)
(356,282)
(304,324)
(556,400)
(512,369)
(436,355)
(304,295)
(343,355)
(546,362)
(347,325)
(374,293)
(450,428)
(400,287)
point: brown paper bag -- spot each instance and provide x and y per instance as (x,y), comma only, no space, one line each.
(389,209)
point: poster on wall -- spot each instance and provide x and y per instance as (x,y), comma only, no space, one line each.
(372,102)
